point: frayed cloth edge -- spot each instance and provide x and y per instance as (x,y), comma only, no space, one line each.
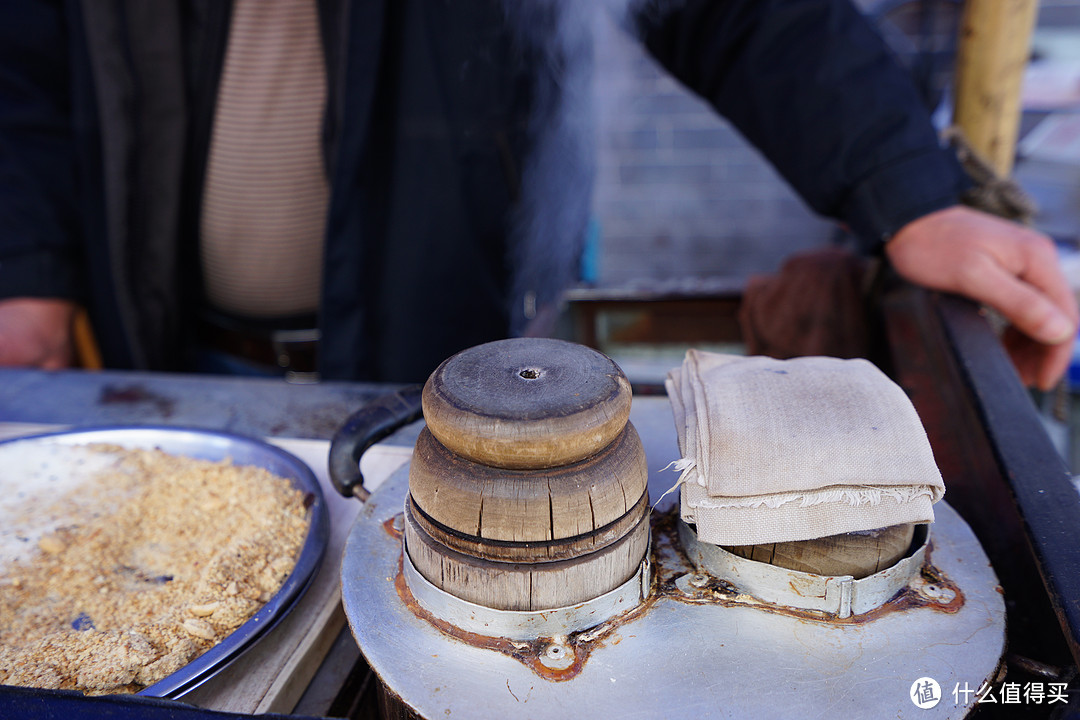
(685,466)
(855,496)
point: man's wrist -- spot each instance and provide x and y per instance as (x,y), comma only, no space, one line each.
(894,196)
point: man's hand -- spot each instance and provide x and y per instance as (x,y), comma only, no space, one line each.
(36,332)
(1011,268)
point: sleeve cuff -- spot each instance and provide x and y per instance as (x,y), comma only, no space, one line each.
(894,195)
(38,275)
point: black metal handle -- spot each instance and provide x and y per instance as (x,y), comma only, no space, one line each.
(364,428)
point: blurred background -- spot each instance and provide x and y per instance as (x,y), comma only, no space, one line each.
(684,208)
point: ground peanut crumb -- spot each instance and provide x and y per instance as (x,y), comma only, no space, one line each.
(156,559)
(51,544)
(199,628)
(204,609)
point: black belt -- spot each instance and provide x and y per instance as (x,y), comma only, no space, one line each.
(290,350)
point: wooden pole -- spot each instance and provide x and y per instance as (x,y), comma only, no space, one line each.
(995,39)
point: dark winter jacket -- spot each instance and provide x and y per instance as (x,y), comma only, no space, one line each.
(444,131)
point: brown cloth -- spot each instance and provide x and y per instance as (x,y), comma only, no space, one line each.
(815,305)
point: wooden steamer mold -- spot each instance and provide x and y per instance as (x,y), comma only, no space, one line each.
(858,554)
(527,574)
(527,489)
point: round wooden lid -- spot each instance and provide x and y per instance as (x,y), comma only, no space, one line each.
(484,502)
(527,403)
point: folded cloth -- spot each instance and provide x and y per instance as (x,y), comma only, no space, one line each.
(783,450)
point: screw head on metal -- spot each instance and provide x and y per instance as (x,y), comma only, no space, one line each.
(694,585)
(937,592)
(557,656)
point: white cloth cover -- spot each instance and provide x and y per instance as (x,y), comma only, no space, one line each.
(784,450)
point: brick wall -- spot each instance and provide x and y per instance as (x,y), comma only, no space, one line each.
(679,193)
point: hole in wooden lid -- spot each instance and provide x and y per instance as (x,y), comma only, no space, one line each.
(530,373)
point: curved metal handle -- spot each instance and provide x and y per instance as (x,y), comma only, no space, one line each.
(364,428)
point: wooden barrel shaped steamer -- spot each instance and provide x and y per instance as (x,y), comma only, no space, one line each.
(528,488)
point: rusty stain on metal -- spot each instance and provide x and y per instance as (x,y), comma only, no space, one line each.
(528,653)
(393,527)
(135,394)
(907,599)
(803,588)
(674,565)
